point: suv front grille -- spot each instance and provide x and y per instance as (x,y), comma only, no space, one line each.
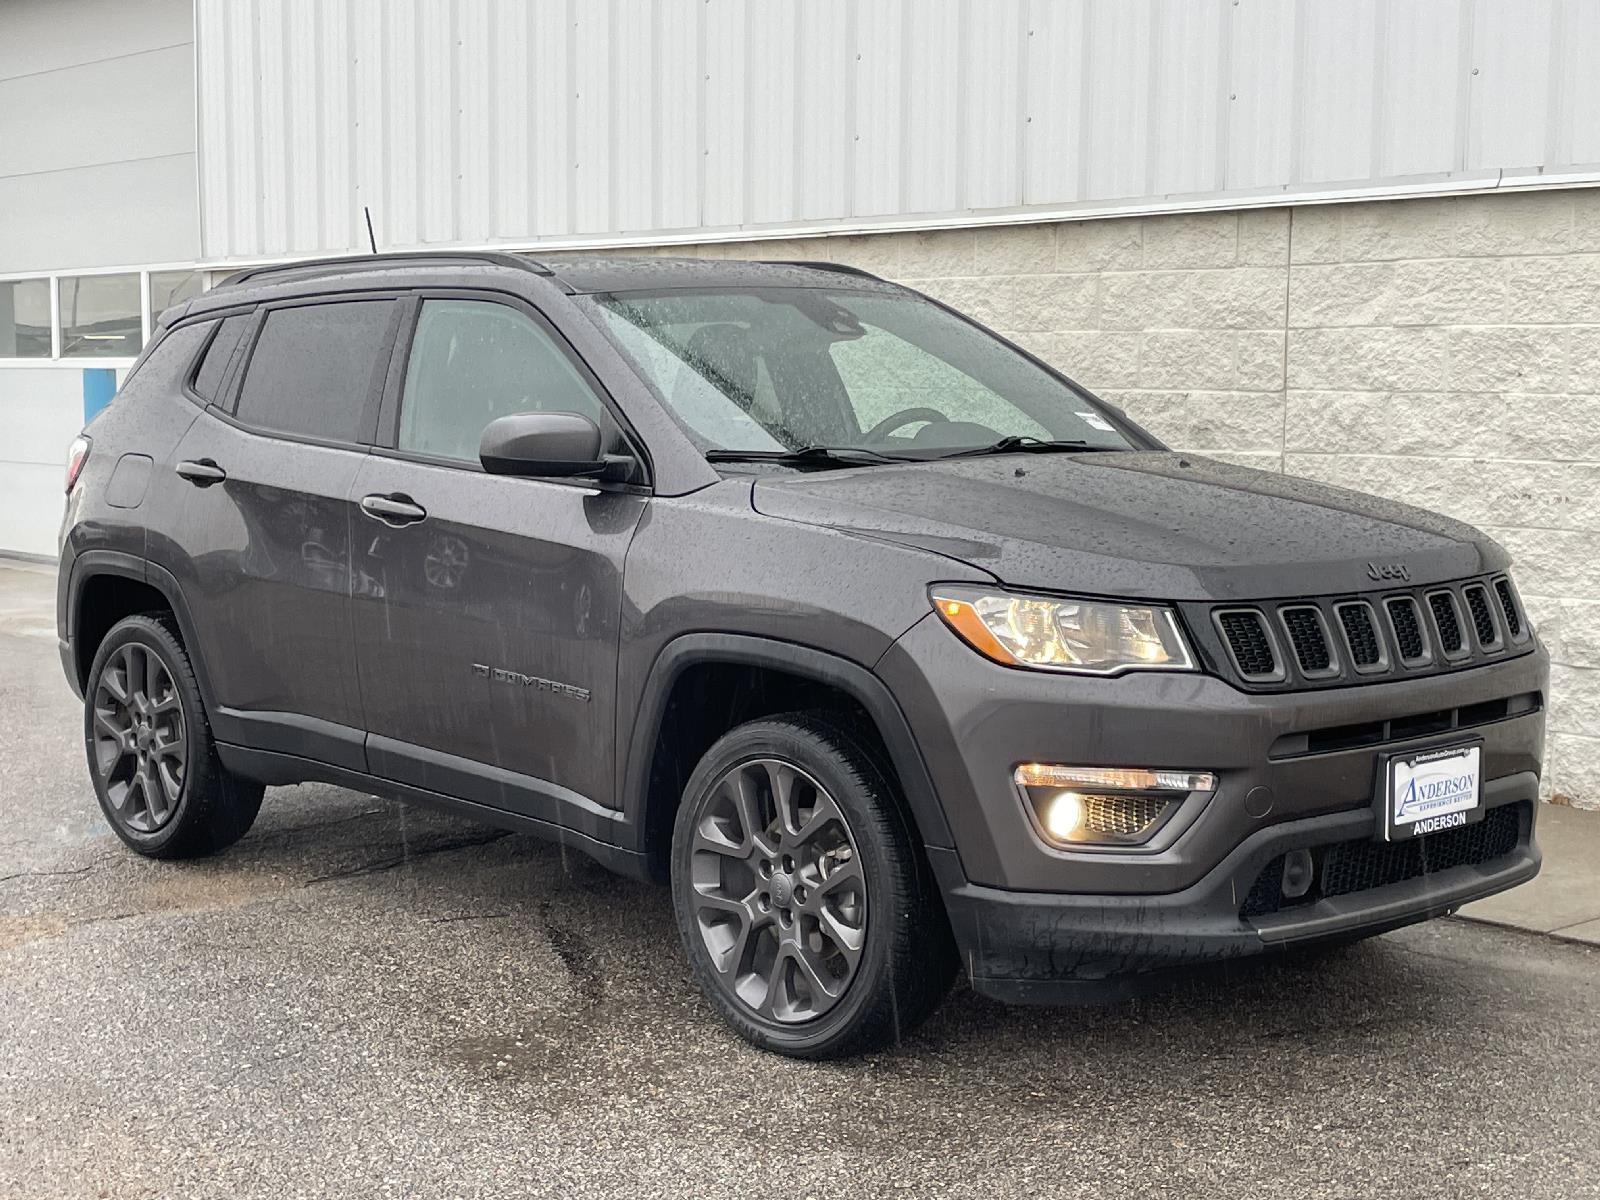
(1344,868)
(1482,619)
(1308,639)
(1360,634)
(1446,621)
(1288,644)
(1249,643)
(1509,608)
(1406,622)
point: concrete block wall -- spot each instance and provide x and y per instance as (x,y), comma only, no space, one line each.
(1445,352)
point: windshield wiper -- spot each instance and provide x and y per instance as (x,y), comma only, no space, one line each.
(1025,444)
(808,456)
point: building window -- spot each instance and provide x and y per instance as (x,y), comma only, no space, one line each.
(101,316)
(172,287)
(25,318)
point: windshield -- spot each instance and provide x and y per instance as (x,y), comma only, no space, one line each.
(770,370)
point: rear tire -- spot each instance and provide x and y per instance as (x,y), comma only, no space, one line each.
(151,755)
(819,934)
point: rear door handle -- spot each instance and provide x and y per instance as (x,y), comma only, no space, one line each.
(201,472)
(394,509)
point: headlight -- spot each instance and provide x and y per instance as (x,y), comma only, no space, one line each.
(1089,637)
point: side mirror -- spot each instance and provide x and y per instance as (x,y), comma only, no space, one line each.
(555,444)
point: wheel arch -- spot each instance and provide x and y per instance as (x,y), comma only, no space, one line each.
(655,769)
(90,570)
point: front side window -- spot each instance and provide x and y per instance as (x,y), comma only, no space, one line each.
(25,318)
(767,370)
(473,361)
(314,368)
(101,316)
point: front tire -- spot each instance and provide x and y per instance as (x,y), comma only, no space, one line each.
(151,756)
(808,914)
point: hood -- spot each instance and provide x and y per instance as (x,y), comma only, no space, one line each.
(1155,525)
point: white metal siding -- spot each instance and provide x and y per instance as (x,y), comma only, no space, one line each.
(97,134)
(586,121)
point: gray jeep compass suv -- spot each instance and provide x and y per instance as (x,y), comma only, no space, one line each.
(889,649)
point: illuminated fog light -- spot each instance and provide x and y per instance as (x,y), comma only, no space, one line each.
(1063,816)
(1104,806)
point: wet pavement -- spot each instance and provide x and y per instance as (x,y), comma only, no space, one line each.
(366,1000)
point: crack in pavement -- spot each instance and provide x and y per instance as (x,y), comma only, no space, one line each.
(87,868)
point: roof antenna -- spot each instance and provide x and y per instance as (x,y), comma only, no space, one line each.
(371,239)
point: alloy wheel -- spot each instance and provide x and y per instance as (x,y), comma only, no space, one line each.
(777,891)
(139,746)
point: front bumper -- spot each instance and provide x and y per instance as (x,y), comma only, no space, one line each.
(1049,948)
(974,721)
(1044,924)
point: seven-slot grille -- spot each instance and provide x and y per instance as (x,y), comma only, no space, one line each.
(1308,638)
(1406,621)
(1321,641)
(1250,644)
(1448,622)
(1360,634)
(1482,619)
(1508,605)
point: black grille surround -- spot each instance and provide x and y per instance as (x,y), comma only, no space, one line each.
(1304,643)
(1345,868)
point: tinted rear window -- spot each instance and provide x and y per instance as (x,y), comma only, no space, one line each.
(313,368)
(219,354)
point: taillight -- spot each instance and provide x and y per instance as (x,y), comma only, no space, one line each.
(76,457)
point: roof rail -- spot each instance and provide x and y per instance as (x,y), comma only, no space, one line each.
(837,268)
(316,266)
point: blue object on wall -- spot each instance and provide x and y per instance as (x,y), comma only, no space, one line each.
(99,385)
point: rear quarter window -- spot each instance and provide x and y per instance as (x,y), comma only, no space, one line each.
(213,369)
(315,368)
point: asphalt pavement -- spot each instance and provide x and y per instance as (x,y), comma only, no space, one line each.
(362,999)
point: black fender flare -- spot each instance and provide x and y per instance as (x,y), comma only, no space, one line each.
(858,682)
(91,563)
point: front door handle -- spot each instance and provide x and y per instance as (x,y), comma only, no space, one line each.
(396,508)
(201,472)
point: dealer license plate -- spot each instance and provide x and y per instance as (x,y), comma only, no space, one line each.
(1432,791)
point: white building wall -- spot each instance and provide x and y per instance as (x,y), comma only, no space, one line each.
(594,121)
(97,138)
(43,411)
(97,171)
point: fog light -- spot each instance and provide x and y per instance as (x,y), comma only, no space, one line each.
(1104,806)
(1063,816)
